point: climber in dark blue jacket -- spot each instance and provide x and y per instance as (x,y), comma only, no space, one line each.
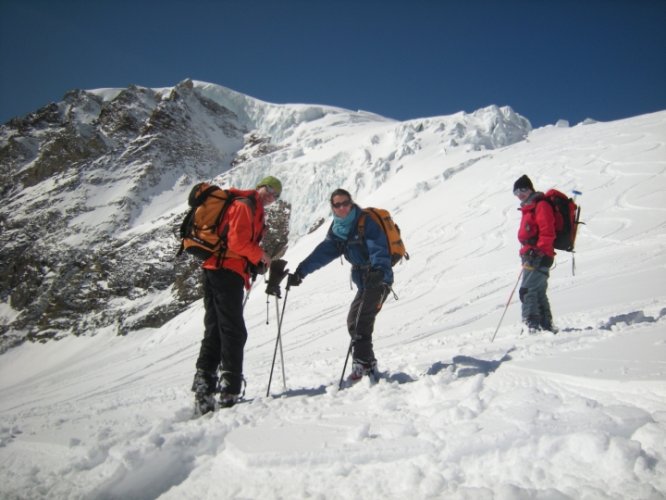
(371,273)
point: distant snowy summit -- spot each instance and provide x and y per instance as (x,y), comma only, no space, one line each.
(486,128)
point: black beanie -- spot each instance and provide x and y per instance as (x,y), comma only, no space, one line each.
(523,182)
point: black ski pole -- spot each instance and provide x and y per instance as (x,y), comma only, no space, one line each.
(280,316)
(507,304)
(344,368)
(247,294)
(278,341)
(277,273)
(351,342)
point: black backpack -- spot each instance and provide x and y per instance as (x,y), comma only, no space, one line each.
(567,219)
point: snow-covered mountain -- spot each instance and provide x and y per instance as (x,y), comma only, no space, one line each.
(581,414)
(95,185)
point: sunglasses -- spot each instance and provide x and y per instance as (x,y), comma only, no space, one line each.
(521,191)
(341,204)
(272,192)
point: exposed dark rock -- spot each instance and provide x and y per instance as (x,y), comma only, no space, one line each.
(75,176)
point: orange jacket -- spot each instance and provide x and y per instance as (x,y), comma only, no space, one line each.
(245,220)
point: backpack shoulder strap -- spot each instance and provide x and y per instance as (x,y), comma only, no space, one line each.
(246,200)
(194,199)
(539,199)
(249,201)
(365,213)
(360,224)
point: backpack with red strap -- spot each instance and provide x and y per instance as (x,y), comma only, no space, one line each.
(567,219)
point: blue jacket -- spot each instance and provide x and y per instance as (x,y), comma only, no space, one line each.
(364,254)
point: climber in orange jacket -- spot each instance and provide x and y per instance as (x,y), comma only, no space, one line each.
(224,277)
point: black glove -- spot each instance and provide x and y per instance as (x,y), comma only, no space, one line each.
(258,268)
(375,279)
(294,280)
(274,289)
(275,276)
(277,272)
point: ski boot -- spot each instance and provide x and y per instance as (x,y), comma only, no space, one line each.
(361,369)
(204,387)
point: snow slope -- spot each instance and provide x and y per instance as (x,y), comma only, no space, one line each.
(578,415)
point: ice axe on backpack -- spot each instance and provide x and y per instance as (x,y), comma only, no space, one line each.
(277,273)
(577,222)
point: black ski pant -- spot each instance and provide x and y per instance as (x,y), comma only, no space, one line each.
(361,321)
(224,328)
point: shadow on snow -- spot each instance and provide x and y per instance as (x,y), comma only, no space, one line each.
(462,366)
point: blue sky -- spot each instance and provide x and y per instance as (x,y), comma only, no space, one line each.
(548,59)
